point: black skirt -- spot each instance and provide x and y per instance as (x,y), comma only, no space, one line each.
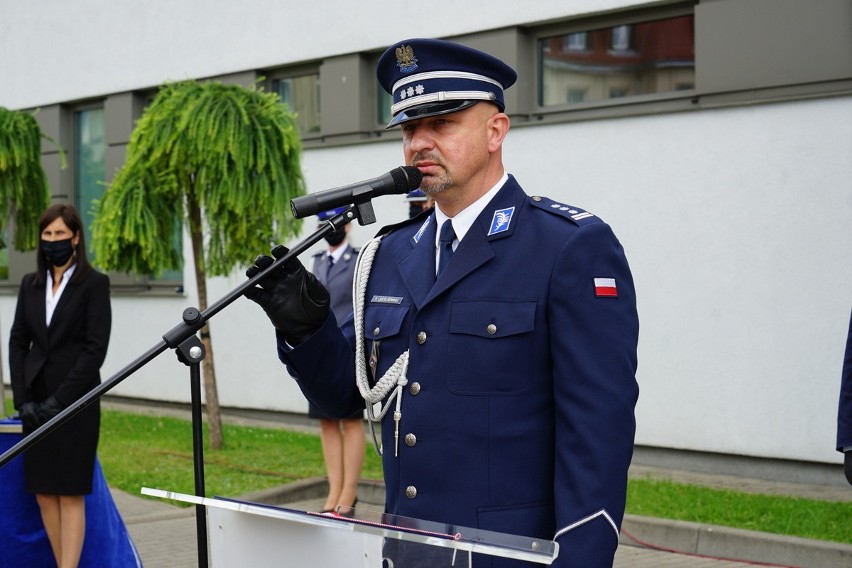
(314,412)
(63,462)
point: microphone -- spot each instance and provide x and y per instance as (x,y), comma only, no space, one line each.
(400,180)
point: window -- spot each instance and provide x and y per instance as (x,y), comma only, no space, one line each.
(385,100)
(576,95)
(575,42)
(170,279)
(90,160)
(620,40)
(302,95)
(89,166)
(617,62)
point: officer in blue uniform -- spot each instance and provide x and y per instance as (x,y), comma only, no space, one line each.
(499,331)
(844,409)
(418,202)
(335,266)
(342,435)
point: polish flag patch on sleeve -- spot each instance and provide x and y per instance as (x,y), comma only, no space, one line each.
(605,288)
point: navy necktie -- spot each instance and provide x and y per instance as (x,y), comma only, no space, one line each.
(445,240)
(330,266)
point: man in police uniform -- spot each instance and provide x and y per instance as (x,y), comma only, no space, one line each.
(516,405)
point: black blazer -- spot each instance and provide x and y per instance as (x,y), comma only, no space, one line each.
(70,352)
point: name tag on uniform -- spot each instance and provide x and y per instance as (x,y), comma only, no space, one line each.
(386,300)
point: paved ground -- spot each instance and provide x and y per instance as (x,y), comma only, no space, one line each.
(166,537)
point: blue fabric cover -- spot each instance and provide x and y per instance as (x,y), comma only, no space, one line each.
(23,540)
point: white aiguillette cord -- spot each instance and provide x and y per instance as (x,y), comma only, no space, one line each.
(394,378)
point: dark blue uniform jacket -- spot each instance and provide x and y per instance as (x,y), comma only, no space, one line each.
(518,415)
(844,413)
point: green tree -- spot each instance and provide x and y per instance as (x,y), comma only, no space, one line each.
(24,192)
(222,159)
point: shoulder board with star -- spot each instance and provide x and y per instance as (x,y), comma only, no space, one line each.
(574,214)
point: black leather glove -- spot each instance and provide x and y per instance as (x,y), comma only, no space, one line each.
(295,301)
(28,413)
(847,466)
(48,409)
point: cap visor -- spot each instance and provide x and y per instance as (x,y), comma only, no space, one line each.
(425,111)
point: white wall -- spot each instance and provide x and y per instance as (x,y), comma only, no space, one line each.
(56,51)
(737,226)
(735,221)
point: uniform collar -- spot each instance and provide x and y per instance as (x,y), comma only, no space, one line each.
(465,218)
(337,253)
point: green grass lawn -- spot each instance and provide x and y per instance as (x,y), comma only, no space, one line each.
(156,452)
(137,450)
(793,516)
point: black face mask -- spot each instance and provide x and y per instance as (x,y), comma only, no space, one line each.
(414,210)
(336,237)
(57,252)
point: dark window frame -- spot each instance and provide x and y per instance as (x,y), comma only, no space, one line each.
(272,76)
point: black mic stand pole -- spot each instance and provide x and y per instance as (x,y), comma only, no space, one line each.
(190,351)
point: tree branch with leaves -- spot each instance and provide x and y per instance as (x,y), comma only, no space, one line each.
(222,161)
(24,191)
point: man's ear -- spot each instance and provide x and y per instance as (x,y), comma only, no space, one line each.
(498,127)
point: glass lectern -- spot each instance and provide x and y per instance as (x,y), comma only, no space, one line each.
(253,534)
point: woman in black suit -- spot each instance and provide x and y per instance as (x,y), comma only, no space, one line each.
(57,345)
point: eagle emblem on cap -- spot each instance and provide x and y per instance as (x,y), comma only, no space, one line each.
(405,58)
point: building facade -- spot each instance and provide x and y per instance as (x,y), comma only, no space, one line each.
(713,135)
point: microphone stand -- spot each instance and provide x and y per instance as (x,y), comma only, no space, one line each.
(190,351)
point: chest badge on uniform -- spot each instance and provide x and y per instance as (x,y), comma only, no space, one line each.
(605,288)
(501,220)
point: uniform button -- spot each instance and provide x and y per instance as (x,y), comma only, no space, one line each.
(414,388)
(410,440)
(376,331)
(536,198)
(491,329)
(411,492)
(421,338)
